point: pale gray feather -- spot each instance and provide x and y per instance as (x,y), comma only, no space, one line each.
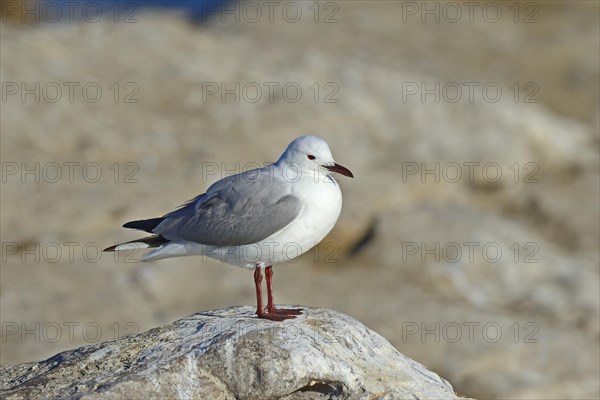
(235,211)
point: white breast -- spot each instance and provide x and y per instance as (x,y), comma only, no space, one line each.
(322,206)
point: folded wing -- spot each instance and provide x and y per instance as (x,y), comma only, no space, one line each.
(233,213)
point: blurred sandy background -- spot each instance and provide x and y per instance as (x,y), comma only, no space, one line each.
(523,324)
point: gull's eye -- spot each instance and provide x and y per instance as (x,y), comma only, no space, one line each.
(311,157)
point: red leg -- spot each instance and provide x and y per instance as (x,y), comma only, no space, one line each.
(289,312)
(270,313)
(269,275)
(257,285)
(260,312)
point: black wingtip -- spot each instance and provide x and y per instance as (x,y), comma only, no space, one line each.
(146,225)
(111,248)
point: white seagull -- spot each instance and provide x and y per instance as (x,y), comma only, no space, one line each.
(254,219)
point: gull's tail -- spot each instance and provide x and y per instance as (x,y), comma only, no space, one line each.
(143,243)
(163,248)
(146,225)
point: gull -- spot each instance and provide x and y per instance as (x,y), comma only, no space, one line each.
(254,219)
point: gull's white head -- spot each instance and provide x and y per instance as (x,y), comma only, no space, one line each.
(311,153)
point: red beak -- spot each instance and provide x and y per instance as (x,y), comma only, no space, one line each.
(339,169)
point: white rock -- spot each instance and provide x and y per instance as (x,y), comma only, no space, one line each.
(230,354)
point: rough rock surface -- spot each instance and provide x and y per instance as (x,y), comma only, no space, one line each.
(229,354)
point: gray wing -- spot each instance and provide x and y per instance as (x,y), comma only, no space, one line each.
(233,212)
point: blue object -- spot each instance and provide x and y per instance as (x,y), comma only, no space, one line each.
(197,10)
